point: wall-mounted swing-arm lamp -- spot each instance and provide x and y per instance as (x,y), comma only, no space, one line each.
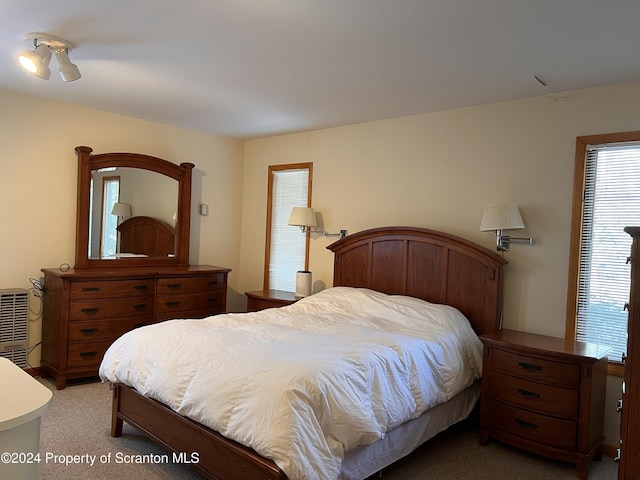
(503,216)
(305,218)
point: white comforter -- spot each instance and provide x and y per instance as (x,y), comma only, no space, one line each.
(305,383)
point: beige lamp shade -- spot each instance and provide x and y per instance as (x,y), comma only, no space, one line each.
(303,217)
(501,216)
(121,209)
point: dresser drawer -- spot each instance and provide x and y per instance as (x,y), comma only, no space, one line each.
(106,329)
(86,353)
(209,283)
(545,399)
(103,309)
(194,301)
(543,429)
(536,369)
(112,288)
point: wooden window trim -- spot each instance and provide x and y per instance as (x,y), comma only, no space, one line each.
(615,367)
(267,250)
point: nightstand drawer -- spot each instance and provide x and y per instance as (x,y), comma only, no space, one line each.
(536,369)
(541,398)
(534,427)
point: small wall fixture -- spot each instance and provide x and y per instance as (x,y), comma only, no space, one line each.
(305,218)
(36,61)
(503,216)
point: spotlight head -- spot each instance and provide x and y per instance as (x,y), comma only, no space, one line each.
(36,62)
(68,71)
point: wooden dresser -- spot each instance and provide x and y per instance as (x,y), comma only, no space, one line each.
(629,454)
(86,309)
(545,395)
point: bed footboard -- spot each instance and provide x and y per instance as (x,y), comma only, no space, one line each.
(218,457)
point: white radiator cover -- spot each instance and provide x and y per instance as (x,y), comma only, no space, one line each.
(14,325)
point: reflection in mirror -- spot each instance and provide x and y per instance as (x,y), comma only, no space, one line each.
(152,229)
(120,194)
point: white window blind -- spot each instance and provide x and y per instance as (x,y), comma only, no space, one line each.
(611,202)
(288,248)
(111,194)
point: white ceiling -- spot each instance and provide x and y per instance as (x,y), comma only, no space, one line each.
(250,68)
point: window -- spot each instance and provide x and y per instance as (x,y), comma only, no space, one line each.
(606,199)
(287,249)
(109,234)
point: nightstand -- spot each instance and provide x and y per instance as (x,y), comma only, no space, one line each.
(261,299)
(545,395)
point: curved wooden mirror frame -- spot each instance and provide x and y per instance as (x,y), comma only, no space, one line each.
(182,173)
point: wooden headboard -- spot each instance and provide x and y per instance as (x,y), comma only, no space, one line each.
(434,266)
(148,236)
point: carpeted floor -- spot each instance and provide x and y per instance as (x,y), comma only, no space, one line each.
(78,423)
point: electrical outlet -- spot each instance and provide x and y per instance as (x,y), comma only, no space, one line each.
(204,209)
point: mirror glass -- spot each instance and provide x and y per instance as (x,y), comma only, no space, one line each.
(133,210)
(140,193)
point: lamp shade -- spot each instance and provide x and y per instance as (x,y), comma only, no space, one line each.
(303,217)
(501,216)
(121,209)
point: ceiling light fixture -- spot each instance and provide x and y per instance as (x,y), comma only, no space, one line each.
(36,61)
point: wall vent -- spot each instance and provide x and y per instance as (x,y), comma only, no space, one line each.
(14,325)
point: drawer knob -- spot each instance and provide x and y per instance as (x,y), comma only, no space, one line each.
(525,424)
(174,286)
(213,282)
(172,304)
(528,394)
(141,287)
(529,367)
(90,289)
(88,354)
(88,331)
(89,311)
(138,325)
(140,306)
(212,300)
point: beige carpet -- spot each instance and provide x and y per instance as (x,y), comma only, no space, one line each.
(78,423)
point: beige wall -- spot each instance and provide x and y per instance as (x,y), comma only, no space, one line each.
(439,171)
(38,185)
(434,170)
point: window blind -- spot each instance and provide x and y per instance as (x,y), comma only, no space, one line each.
(288,243)
(611,202)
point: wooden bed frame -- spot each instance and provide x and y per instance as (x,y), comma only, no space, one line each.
(148,236)
(434,266)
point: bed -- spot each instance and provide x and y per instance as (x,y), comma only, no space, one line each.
(409,264)
(142,235)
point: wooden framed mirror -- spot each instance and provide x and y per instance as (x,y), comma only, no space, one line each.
(153,212)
